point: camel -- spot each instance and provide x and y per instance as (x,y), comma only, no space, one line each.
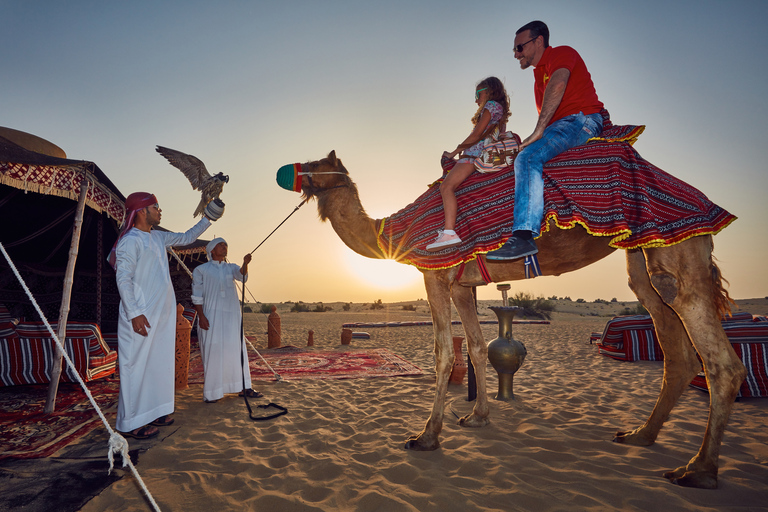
(679,285)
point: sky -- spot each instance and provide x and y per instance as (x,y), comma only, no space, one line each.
(250,86)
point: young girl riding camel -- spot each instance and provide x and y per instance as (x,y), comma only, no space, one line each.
(490,119)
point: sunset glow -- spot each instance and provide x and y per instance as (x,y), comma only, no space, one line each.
(248,87)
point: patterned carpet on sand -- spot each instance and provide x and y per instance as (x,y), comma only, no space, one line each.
(294,363)
(26,432)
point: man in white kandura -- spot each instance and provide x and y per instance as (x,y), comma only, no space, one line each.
(146,329)
(222,345)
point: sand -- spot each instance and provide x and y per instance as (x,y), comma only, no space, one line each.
(341,445)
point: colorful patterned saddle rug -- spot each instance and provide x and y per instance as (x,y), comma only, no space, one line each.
(604,185)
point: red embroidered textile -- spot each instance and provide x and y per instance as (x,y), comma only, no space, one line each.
(61,181)
(294,363)
(607,187)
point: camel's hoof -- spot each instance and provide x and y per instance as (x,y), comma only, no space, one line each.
(419,444)
(474,421)
(698,479)
(632,437)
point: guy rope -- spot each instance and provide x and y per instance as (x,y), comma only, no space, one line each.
(117,443)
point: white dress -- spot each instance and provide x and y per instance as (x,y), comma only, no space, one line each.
(147,364)
(225,359)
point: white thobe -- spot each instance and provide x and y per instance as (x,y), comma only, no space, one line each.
(222,346)
(147,363)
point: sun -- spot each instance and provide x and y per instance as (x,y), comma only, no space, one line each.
(387,274)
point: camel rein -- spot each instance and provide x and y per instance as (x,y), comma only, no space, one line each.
(314,191)
(278,226)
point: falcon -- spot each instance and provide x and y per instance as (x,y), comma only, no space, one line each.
(198,176)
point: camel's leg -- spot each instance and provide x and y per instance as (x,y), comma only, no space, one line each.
(680,362)
(478,353)
(438,294)
(683,276)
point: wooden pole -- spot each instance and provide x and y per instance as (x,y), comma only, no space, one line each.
(99,262)
(66,295)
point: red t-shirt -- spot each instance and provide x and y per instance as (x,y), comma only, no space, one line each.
(580,94)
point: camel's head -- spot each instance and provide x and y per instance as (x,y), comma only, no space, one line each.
(312,178)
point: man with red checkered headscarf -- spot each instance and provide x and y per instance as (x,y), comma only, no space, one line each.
(146,330)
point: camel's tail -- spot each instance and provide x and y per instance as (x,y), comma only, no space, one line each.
(720,295)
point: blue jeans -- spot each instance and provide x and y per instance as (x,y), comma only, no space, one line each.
(560,136)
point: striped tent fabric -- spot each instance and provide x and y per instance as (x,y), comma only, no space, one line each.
(605,186)
(750,342)
(633,338)
(630,338)
(6,316)
(190,314)
(27,352)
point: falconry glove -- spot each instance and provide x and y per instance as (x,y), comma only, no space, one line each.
(214,210)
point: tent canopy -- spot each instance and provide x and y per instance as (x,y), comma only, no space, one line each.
(38,198)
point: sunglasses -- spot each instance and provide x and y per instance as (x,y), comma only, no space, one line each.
(477,93)
(519,48)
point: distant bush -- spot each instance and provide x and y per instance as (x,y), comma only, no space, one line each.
(320,308)
(409,307)
(566,298)
(601,301)
(580,301)
(377,305)
(347,306)
(299,307)
(538,307)
(614,300)
(637,310)
(247,309)
(266,308)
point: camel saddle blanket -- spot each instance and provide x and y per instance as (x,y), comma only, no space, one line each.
(604,185)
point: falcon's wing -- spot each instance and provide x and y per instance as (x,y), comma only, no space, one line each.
(191,166)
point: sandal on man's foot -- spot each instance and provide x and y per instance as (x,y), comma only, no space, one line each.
(251,393)
(144,432)
(163,421)
(210,401)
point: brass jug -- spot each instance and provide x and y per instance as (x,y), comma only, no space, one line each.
(505,353)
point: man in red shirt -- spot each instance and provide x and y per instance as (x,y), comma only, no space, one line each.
(569,115)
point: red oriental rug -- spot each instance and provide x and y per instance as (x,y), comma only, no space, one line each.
(26,432)
(605,186)
(293,363)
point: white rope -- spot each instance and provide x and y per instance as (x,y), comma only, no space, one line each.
(117,443)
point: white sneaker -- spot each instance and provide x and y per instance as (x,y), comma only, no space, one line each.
(444,240)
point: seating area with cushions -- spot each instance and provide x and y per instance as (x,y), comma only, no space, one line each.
(750,341)
(629,338)
(27,351)
(633,338)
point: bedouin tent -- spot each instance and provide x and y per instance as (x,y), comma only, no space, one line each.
(40,190)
